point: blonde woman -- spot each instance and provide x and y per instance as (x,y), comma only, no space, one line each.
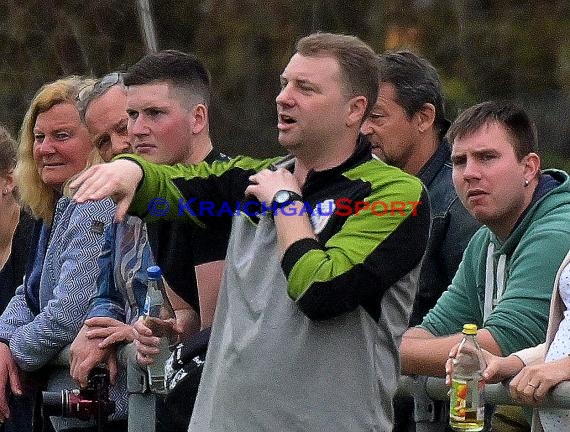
(47,311)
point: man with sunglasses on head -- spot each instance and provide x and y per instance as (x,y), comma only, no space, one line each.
(103,110)
(164,99)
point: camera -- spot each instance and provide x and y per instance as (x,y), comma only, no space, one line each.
(86,403)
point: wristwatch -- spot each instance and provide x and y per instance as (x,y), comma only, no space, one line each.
(284,196)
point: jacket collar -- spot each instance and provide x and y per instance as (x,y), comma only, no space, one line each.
(316,180)
(433,166)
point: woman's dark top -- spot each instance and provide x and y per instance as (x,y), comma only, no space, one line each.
(13,271)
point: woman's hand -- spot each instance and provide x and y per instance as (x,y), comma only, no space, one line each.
(532,384)
(9,380)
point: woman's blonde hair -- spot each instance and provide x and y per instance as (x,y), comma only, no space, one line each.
(34,193)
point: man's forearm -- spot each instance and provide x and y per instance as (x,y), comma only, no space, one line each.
(187,319)
(422,353)
(208,281)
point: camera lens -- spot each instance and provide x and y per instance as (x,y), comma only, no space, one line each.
(53,403)
(91,401)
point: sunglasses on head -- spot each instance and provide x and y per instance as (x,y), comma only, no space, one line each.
(100,87)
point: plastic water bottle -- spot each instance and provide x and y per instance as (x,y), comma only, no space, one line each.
(159,317)
(467,401)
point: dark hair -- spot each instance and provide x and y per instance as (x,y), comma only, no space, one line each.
(180,69)
(7,152)
(416,83)
(356,59)
(509,115)
(94,91)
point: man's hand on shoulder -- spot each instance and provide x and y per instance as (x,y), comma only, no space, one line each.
(118,180)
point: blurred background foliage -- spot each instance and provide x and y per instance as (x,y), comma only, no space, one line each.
(482,49)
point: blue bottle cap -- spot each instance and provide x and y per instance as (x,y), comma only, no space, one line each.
(154,272)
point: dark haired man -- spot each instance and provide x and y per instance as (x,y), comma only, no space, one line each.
(504,282)
(168,95)
(166,114)
(407,127)
(312,305)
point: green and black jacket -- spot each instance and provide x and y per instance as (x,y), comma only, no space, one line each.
(356,258)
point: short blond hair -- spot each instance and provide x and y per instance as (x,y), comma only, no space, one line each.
(34,193)
(357,61)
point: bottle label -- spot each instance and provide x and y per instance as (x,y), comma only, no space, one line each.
(466,400)
(458,399)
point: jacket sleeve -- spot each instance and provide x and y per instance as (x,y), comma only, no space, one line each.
(108,301)
(520,319)
(533,355)
(193,192)
(15,315)
(37,342)
(369,253)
